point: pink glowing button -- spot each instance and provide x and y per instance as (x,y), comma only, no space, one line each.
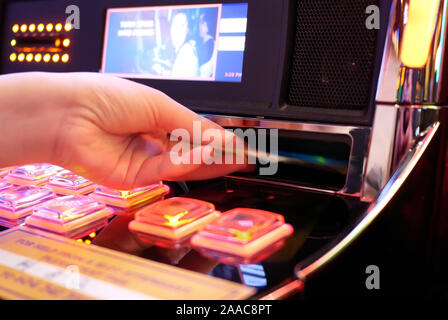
(33,174)
(72,216)
(17,202)
(69,183)
(131,198)
(173,220)
(242,235)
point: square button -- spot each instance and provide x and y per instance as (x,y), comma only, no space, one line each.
(18,201)
(33,174)
(173,221)
(72,216)
(242,235)
(69,183)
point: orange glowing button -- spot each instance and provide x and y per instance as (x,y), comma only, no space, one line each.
(174,220)
(56,58)
(23,28)
(13,42)
(34,174)
(29,57)
(32,27)
(242,235)
(49,27)
(71,216)
(69,183)
(15,28)
(47,58)
(68,27)
(66,42)
(40,27)
(58,27)
(21,57)
(17,202)
(38,57)
(65,58)
(132,198)
(418,32)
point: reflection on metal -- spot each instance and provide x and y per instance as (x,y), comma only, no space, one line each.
(358,135)
(396,129)
(325,256)
(401,84)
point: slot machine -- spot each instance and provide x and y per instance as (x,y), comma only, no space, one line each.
(350,95)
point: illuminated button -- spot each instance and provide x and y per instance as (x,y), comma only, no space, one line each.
(57,43)
(38,57)
(66,42)
(170,223)
(29,57)
(72,216)
(47,57)
(242,235)
(34,174)
(21,57)
(49,27)
(13,42)
(12,57)
(15,28)
(32,27)
(132,198)
(23,28)
(40,27)
(65,58)
(68,27)
(56,58)
(58,27)
(69,183)
(17,202)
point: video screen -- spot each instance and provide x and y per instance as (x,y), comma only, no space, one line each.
(188,42)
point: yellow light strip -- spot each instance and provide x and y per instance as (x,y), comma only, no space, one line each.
(418,33)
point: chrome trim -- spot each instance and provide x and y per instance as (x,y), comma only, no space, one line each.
(325,256)
(400,84)
(395,131)
(359,136)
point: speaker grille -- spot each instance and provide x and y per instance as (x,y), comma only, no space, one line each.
(334,55)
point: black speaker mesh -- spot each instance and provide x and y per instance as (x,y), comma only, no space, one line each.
(334,55)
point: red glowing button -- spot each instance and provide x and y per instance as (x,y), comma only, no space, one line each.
(17,202)
(69,183)
(175,219)
(241,235)
(132,198)
(33,174)
(72,216)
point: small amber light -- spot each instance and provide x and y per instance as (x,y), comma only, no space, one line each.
(65,58)
(13,42)
(38,57)
(92,235)
(58,27)
(56,58)
(47,57)
(32,27)
(66,42)
(23,27)
(40,27)
(68,27)
(57,43)
(15,28)
(29,57)
(49,27)
(21,57)
(13,57)
(87,242)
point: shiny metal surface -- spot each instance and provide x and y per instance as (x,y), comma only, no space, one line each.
(396,129)
(359,136)
(403,85)
(325,256)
